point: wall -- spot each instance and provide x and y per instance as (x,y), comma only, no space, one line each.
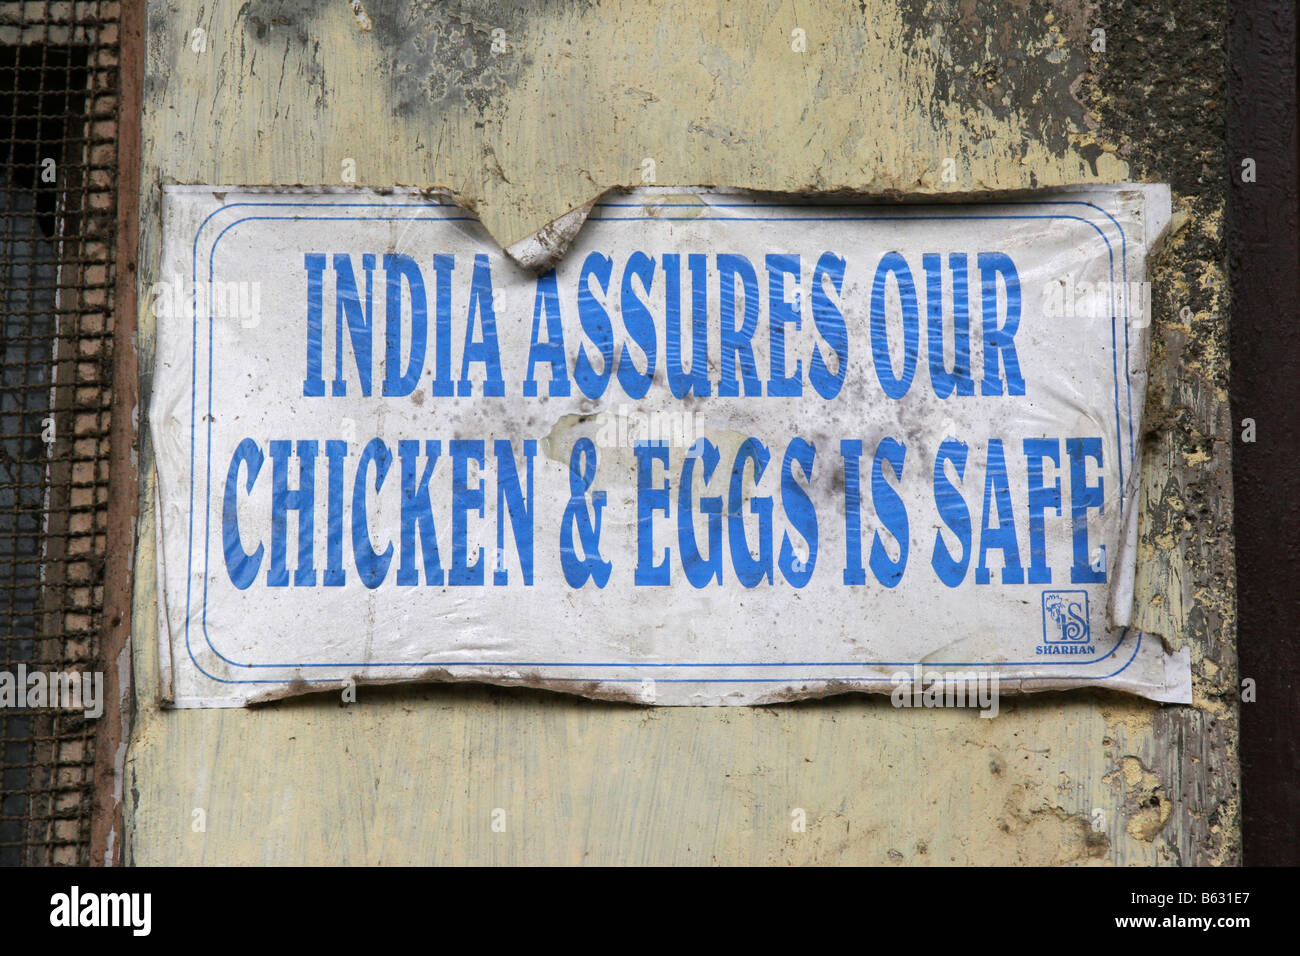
(285,90)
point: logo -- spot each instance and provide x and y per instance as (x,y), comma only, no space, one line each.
(946,689)
(1066,628)
(70,690)
(129,910)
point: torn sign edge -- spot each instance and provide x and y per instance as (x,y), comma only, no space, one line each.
(544,249)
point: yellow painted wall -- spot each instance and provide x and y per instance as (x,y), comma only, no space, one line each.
(283,91)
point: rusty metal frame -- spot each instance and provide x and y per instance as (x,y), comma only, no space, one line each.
(1264,262)
(107,827)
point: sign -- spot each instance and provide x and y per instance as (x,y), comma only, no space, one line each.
(728,451)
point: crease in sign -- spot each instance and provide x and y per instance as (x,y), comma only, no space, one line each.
(722,670)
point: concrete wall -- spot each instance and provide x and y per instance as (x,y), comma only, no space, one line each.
(285,90)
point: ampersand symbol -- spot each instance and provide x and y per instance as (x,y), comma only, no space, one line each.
(582,472)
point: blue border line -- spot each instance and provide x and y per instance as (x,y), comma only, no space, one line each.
(424,205)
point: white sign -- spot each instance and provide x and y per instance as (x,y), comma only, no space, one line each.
(729,451)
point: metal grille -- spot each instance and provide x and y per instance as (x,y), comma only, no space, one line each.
(58,129)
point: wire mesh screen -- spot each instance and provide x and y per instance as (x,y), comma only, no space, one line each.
(58,125)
